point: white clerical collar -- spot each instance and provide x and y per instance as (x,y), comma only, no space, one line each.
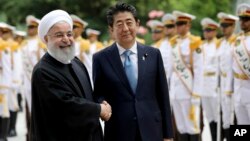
(122,50)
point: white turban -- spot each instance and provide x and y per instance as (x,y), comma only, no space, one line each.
(50,19)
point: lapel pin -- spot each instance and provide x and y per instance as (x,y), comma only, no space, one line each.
(144,56)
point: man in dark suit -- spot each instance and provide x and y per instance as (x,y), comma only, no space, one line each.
(62,102)
(130,77)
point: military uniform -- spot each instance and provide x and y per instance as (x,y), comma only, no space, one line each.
(31,51)
(226,71)
(241,64)
(17,84)
(209,95)
(94,47)
(184,81)
(6,93)
(166,49)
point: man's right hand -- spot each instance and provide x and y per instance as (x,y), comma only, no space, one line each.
(106,111)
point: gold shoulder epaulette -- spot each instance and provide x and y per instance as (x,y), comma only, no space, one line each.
(99,45)
(13,45)
(218,42)
(195,42)
(158,43)
(140,40)
(173,40)
(84,45)
(41,44)
(3,44)
(232,39)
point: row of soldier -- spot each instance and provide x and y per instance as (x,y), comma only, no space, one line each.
(212,73)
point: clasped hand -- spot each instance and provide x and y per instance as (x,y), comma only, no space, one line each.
(106,111)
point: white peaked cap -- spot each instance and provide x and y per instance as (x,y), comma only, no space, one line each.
(20,33)
(50,19)
(207,22)
(3,25)
(168,17)
(31,18)
(7,26)
(155,23)
(92,31)
(77,19)
(243,10)
(223,15)
(179,14)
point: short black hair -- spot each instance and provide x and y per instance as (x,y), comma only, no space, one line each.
(120,7)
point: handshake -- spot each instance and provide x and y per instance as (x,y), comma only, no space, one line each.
(106,111)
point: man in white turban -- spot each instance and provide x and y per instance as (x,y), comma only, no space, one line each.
(62,102)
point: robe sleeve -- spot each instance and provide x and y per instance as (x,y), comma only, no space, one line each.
(57,100)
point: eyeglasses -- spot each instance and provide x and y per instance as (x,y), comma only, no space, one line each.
(208,30)
(225,25)
(244,19)
(170,26)
(60,35)
(180,23)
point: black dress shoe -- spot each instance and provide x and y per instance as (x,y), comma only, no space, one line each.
(12,133)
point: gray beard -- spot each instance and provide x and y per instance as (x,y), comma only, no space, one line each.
(64,55)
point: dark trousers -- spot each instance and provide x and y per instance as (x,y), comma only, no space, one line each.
(12,127)
(28,120)
(4,124)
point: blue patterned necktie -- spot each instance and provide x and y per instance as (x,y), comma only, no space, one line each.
(130,70)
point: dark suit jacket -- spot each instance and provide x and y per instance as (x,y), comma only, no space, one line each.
(62,103)
(148,109)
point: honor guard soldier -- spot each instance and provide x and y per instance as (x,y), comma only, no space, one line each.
(157,28)
(185,79)
(241,67)
(82,45)
(168,21)
(227,25)
(95,46)
(209,95)
(5,68)
(32,50)
(17,78)
(6,89)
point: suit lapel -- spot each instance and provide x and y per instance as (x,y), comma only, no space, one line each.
(142,57)
(83,78)
(116,63)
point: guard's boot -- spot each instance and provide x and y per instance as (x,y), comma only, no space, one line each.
(213,130)
(183,137)
(227,134)
(195,137)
